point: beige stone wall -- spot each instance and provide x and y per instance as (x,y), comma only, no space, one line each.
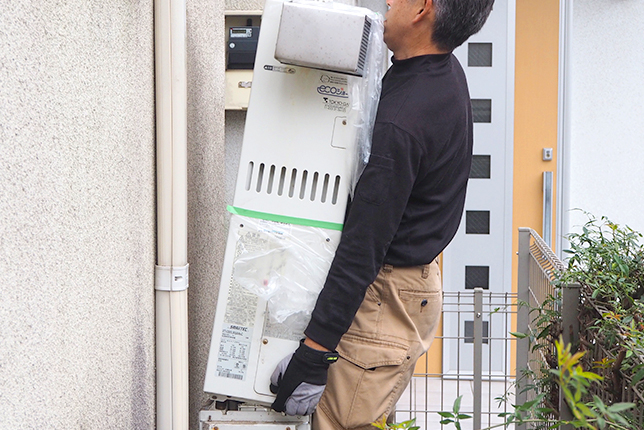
(77,214)
(207,216)
(77,209)
(244,4)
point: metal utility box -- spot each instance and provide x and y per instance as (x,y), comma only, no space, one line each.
(242,47)
(238,81)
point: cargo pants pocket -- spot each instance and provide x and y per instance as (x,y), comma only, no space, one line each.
(366,382)
(424,309)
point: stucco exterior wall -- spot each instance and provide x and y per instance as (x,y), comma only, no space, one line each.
(606,173)
(77,214)
(207,216)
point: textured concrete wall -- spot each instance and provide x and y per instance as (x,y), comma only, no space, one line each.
(77,214)
(207,216)
(244,4)
(235,122)
(607,110)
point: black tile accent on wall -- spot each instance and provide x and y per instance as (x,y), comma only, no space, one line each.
(482,110)
(477,222)
(481,167)
(477,277)
(479,54)
(469,332)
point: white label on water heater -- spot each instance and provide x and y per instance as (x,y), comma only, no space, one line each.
(234,351)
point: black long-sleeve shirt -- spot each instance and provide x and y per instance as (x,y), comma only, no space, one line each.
(409,201)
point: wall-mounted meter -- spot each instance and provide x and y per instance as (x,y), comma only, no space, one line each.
(242,46)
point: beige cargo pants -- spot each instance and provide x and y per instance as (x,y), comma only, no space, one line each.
(394,326)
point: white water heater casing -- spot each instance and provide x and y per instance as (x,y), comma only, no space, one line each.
(326,39)
(293,184)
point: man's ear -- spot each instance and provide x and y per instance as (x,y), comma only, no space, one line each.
(425,9)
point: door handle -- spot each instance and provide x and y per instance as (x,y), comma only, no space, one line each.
(547,207)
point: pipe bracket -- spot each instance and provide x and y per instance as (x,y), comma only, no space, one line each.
(171,278)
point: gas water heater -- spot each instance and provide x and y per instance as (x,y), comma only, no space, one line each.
(315,89)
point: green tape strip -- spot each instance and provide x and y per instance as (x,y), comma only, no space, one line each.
(285,219)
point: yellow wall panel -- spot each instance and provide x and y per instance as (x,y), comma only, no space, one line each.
(536,98)
(535,114)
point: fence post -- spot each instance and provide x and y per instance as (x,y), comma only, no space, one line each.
(569,313)
(478,355)
(570,335)
(523,314)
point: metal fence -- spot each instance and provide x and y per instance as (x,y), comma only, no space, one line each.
(617,385)
(480,367)
(537,269)
(482,360)
(577,312)
(492,316)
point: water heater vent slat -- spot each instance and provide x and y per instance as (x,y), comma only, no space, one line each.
(364,44)
(314,185)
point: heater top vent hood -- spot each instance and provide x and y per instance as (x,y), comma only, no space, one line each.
(331,38)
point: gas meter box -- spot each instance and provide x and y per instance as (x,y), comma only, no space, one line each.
(242,47)
(305,142)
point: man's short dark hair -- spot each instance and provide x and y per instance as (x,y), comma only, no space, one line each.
(457,20)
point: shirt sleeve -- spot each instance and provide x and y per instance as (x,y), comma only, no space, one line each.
(371,223)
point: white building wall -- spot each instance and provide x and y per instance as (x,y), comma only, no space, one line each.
(607,111)
(77,214)
(207,172)
(77,209)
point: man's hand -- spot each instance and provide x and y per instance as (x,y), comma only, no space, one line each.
(299,380)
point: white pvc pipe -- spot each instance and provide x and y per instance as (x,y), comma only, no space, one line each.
(171,302)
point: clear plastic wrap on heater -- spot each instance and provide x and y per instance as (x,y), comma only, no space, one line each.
(287,264)
(284,264)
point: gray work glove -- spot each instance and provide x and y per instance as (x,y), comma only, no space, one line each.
(299,380)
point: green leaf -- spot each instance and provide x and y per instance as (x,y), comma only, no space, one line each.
(601,422)
(526,405)
(577,396)
(619,418)
(584,409)
(567,393)
(446,414)
(457,404)
(447,421)
(381,423)
(618,407)
(638,376)
(599,404)
(518,334)
(463,416)
(590,375)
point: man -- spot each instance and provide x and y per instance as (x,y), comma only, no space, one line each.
(380,305)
